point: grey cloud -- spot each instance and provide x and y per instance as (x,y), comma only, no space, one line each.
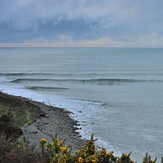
(28,13)
(82,19)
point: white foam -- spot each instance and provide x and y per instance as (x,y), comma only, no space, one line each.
(4,80)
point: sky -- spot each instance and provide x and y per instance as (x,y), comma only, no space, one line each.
(83,23)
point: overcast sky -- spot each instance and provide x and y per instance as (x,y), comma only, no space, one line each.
(112,23)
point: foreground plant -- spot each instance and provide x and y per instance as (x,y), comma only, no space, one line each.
(55,152)
(58,152)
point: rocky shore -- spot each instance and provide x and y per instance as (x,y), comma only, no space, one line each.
(51,121)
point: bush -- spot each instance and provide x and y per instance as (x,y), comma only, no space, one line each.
(8,127)
(58,152)
(24,153)
(6,145)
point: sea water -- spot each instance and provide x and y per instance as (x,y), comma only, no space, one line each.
(114,93)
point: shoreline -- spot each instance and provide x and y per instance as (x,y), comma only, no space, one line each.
(51,121)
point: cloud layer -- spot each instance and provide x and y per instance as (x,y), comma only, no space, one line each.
(86,22)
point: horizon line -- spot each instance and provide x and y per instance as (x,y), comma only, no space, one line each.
(29,45)
(78,47)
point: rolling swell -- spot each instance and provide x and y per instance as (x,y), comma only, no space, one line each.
(18,80)
(114,80)
(35,74)
(98,80)
(46,88)
(22,74)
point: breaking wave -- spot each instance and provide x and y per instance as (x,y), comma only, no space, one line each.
(4,80)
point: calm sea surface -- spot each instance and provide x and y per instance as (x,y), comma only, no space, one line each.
(115,93)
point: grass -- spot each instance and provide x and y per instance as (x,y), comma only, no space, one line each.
(23,112)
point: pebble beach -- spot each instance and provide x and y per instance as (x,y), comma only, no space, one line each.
(51,121)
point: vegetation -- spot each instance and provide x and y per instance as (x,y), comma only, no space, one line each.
(57,152)
(14,114)
(21,113)
(8,127)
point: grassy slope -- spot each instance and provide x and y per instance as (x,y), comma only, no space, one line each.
(23,112)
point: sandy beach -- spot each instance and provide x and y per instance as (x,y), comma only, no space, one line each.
(51,121)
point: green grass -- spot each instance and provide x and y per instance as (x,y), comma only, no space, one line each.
(23,112)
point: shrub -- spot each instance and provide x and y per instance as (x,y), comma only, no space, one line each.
(58,152)
(6,145)
(8,127)
(24,153)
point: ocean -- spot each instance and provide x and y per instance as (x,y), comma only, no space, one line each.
(114,93)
